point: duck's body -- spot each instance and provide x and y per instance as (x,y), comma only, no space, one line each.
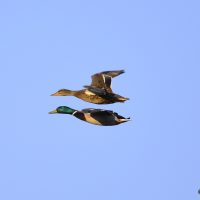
(93,116)
(99,92)
(93,95)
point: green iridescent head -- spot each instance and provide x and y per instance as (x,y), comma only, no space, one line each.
(63,110)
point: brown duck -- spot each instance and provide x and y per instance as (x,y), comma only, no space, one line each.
(99,92)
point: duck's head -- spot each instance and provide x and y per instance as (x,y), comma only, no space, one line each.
(62,110)
(63,92)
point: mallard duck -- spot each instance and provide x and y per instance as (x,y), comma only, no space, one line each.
(93,116)
(99,92)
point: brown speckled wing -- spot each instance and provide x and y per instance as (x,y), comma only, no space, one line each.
(102,81)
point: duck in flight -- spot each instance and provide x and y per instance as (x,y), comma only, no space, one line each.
(93,116)
(99,92)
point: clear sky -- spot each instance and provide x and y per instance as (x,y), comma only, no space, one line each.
(49,45)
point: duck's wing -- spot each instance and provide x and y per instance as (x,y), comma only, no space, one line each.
(107,116)
(102,81)
(96,90)
(102,112)
(104,93)
(94,110)
(104,117)
(113,73)
(99,116)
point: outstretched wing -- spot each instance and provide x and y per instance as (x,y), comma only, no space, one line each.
(113,73)
(104,79)
(101,81)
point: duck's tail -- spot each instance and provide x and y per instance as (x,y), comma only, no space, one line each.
(124,120)
(123,99)
(120,98)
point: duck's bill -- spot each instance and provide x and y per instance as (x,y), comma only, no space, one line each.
(55,94)
(53,112)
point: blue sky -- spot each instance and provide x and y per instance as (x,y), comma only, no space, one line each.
(49,45)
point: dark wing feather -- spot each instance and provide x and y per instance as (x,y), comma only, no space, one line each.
(104,117)
(97,81)
(104,79)
(101,81)
(96,90)
(107,82)
(113,73)
(103,113)
(93,110)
